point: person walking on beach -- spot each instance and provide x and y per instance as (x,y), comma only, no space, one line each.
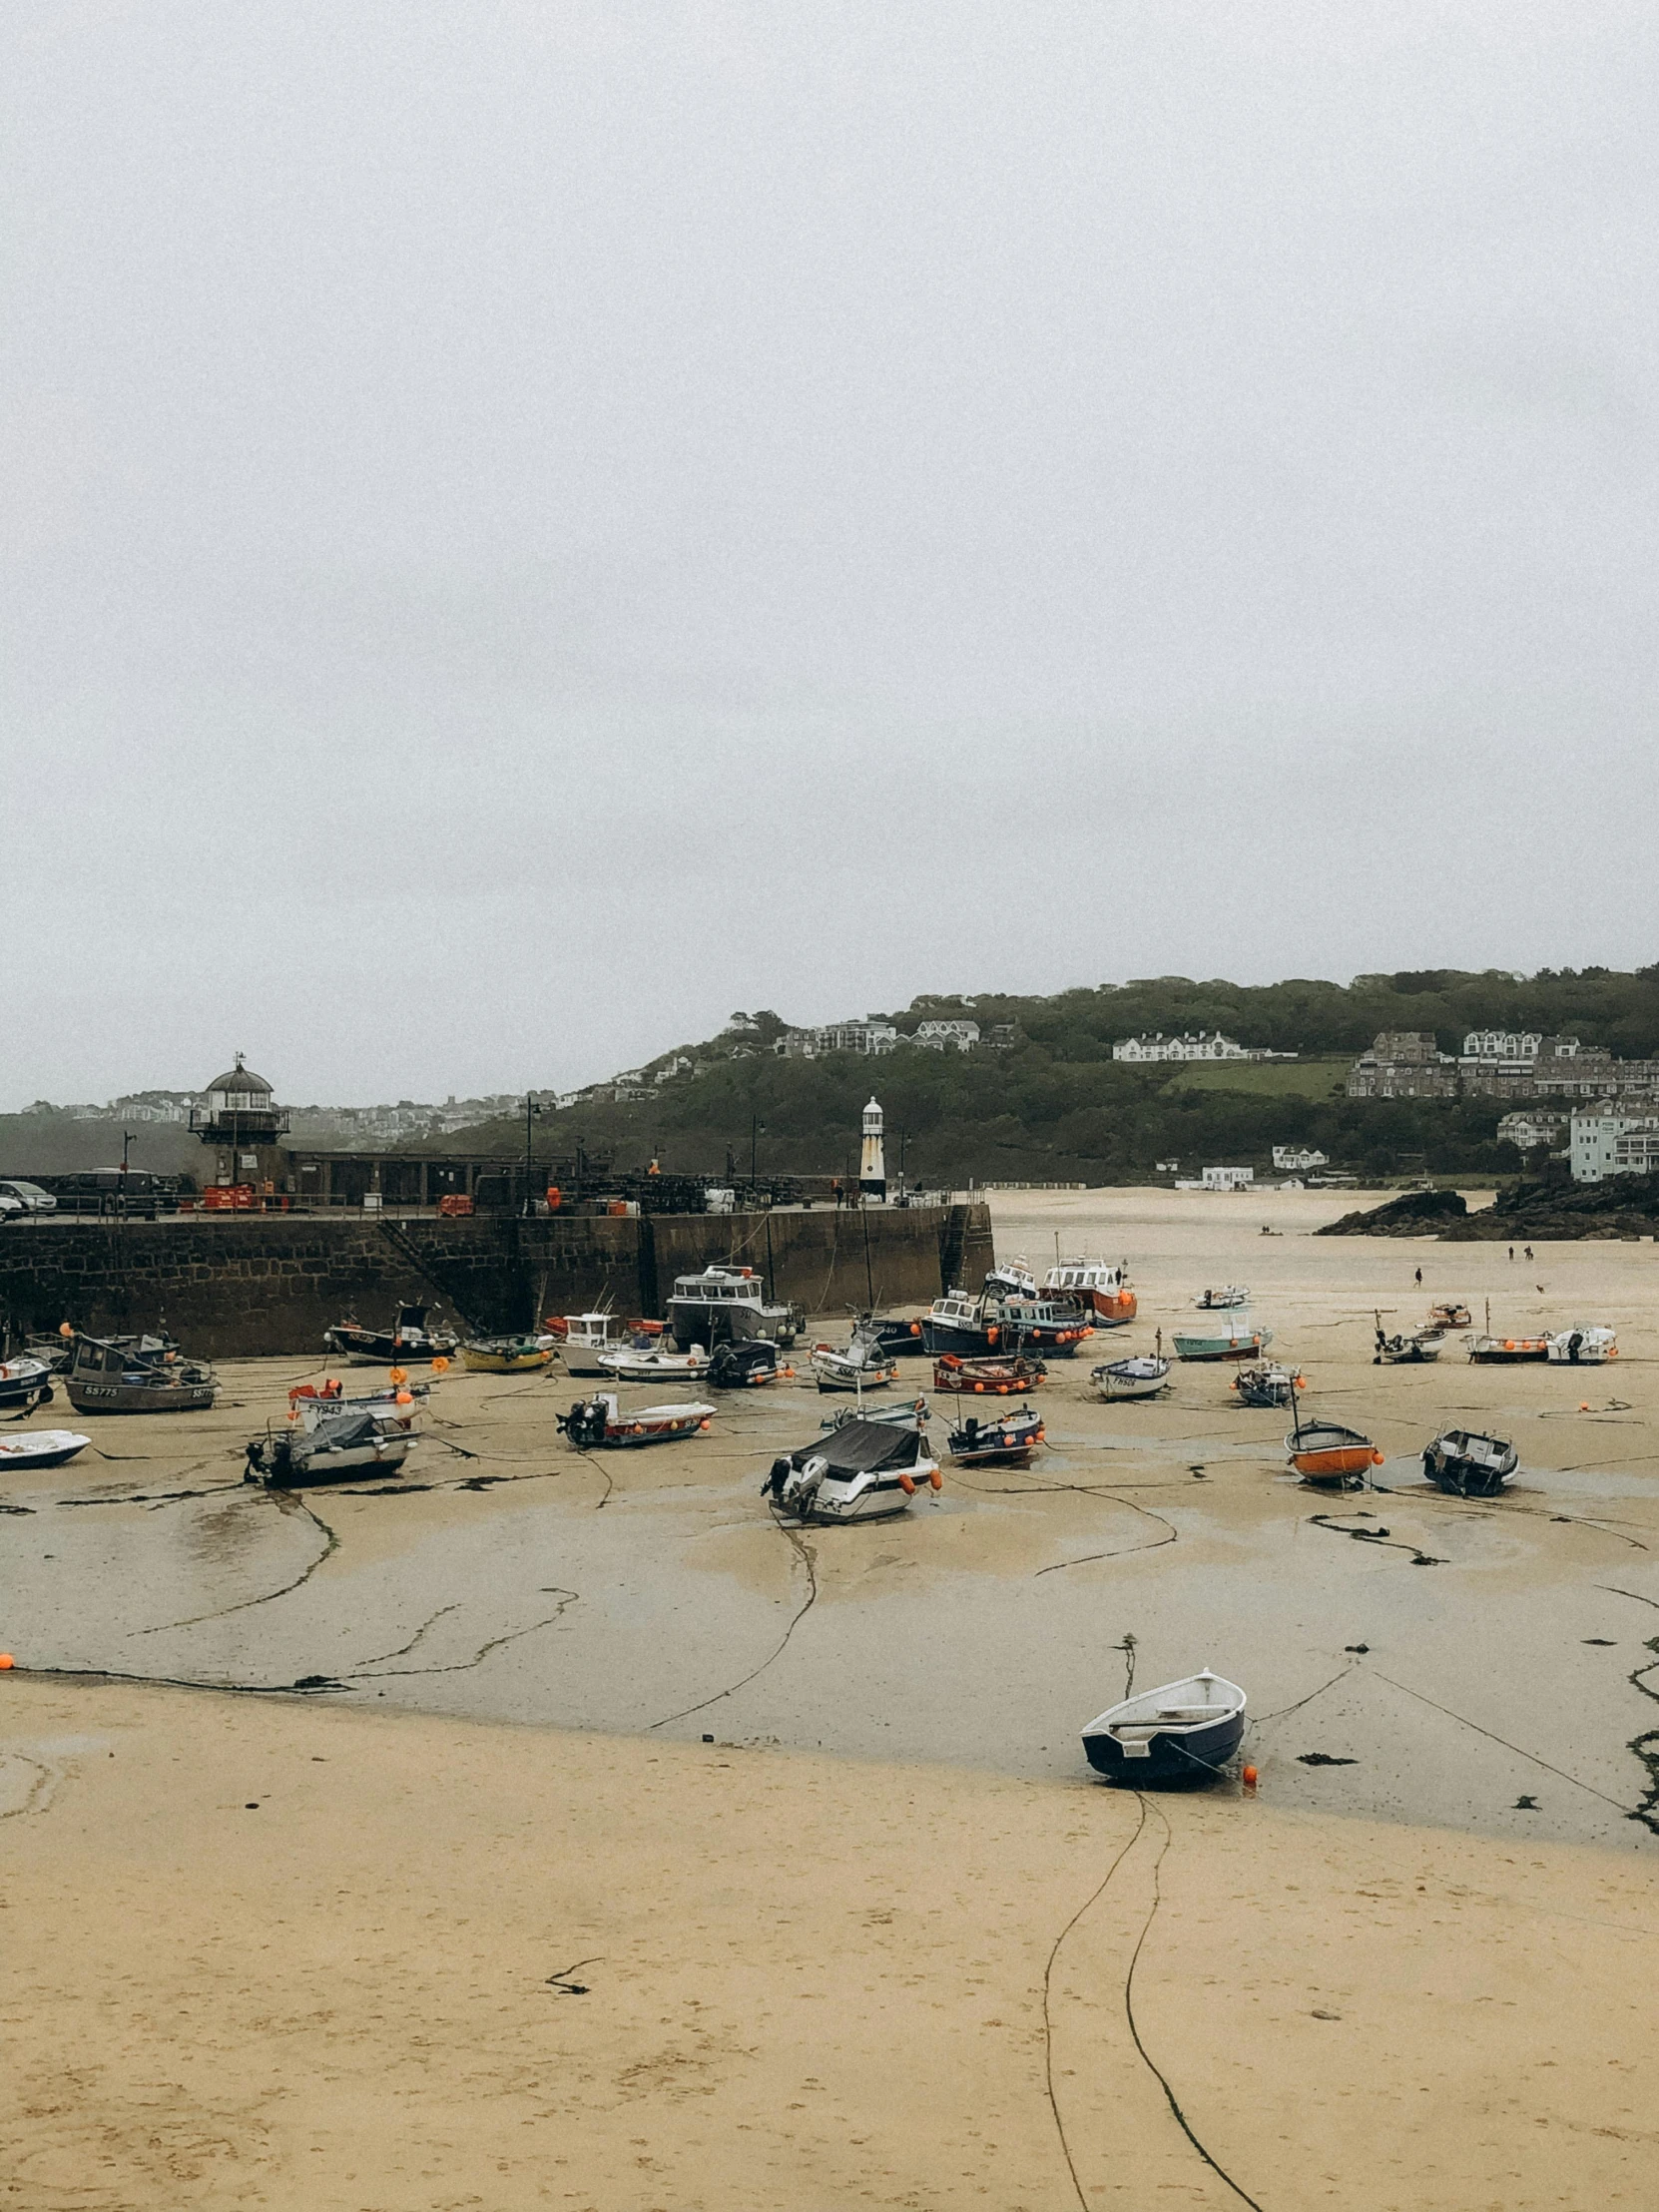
(1529,1252)
(1420,1279)
(1511,1252)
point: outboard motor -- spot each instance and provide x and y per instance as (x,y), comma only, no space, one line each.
(773,1487)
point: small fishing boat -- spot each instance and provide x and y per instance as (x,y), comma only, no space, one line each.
(958,1324)
(136,1374)
(1235,1339)
(344,1447)
(1324,1452)
(1176,1733)
(407,1342)
(988,1378)
(1583,1347)
(1012,1278)
(39,1447)
(600,1420)
(1101,1290)
(1469,1465)
(25,1383)
(1220,1300)
(745,1365)
(1448,1314)
(525,1354)
(859,1365)
(53,1352)
(1404,1349)
(647,1362)
(1268,1384)
(909,1413)
(398,1401)
(862,1470)
(1001,1440)
(583,1338)
(1145,1375)
(1042,1325)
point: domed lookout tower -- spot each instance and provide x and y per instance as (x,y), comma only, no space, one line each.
(240,1124)
(872,1154)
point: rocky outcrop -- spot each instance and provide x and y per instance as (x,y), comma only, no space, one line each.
(1413,1214)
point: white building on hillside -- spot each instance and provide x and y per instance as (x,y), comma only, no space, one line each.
(1205,1046)
(1227,1179)
(871,1035)
(1613,1144)
(1295,1159)
(936,1037)
(1504,1048)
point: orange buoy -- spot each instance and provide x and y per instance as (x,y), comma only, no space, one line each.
(937,1479)
(6,1659)
(1584,1405)
(396,1374)
(405,1398)
(441,1365)
(1248,1778)
(1376,1458)
(908,1484)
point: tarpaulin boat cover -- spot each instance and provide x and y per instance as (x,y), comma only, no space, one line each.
(343,1433)
(862,1448)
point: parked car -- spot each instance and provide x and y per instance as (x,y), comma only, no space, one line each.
(31,1199)
(11,1209)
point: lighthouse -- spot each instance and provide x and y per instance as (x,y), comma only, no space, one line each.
(873,1155)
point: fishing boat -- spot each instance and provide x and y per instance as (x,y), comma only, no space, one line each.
(1449,1315)
(407,1342)
(398,1401)
(1324,1452)
(1235,1339)
(600,1421)
(897,1333)
(1179,1732)
(859,1365)
(1101,1290)
(1469,1465)
(1001,1440)
(908,1413)
(1044,1325)
(958,1324)
(988,1378)
(1146,1375)
(1583,1347)
(583,1338)
(1220,1300)
(1406,1349)
(25,1383)
(1268,1385)
(862,1470)
(745,1366)
(649,1363)
(524,1354)
(136,1374)
(39,1447)
(1011,1279)
(719,1303)
(1508,1351)
(344,1447)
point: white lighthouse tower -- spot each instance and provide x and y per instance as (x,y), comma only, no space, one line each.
(873,1156)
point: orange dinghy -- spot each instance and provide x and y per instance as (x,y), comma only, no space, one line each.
(1326,1451)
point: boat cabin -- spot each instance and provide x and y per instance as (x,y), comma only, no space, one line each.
(720,1289)
(958,1310)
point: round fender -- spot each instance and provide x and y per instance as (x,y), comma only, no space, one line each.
(937,1479)
(907,1485)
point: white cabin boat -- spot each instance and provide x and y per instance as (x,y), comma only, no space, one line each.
(1583,1347)
(725,1302)
(633,1363)
(1099,1287)
(586,1337)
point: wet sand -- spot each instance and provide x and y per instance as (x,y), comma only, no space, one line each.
(345,1984)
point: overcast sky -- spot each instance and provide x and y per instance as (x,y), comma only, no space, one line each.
(532,526)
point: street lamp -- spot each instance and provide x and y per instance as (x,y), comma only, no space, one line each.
(757,1130)
(531,1110)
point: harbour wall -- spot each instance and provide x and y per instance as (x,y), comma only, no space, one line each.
(241,1285)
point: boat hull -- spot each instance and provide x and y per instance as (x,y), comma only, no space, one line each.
(283,1468)
(958,1338)
(379,1347)
(989,1378)
(480,1361)
(1194,1346)
(1174,1755)
(1116,1386)
(897,1339)
(44,1448)
(1006,1442)
(135,1398)
(1489,1351)
(1332,1457)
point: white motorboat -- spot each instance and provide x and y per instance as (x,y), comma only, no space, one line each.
(1144,1377)
(1582,1348)
(25,1383)
(1221,1299)
(398,1406)
(39,1447)
(600,1421)
(650,1364)
(861,1364)
(1179,1732)
(344,1449)
(862,1470)
(722,1303)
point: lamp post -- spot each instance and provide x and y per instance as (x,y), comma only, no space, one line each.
(531,1110)
(757,1130)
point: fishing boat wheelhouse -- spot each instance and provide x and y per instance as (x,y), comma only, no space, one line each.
(1101,1290)
(958,1323)
(1044,1325)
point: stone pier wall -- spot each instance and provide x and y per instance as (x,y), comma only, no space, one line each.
(245,1285)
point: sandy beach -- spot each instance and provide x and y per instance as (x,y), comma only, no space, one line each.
(1409,1971)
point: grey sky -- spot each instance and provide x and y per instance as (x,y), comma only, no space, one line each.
(533,526)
